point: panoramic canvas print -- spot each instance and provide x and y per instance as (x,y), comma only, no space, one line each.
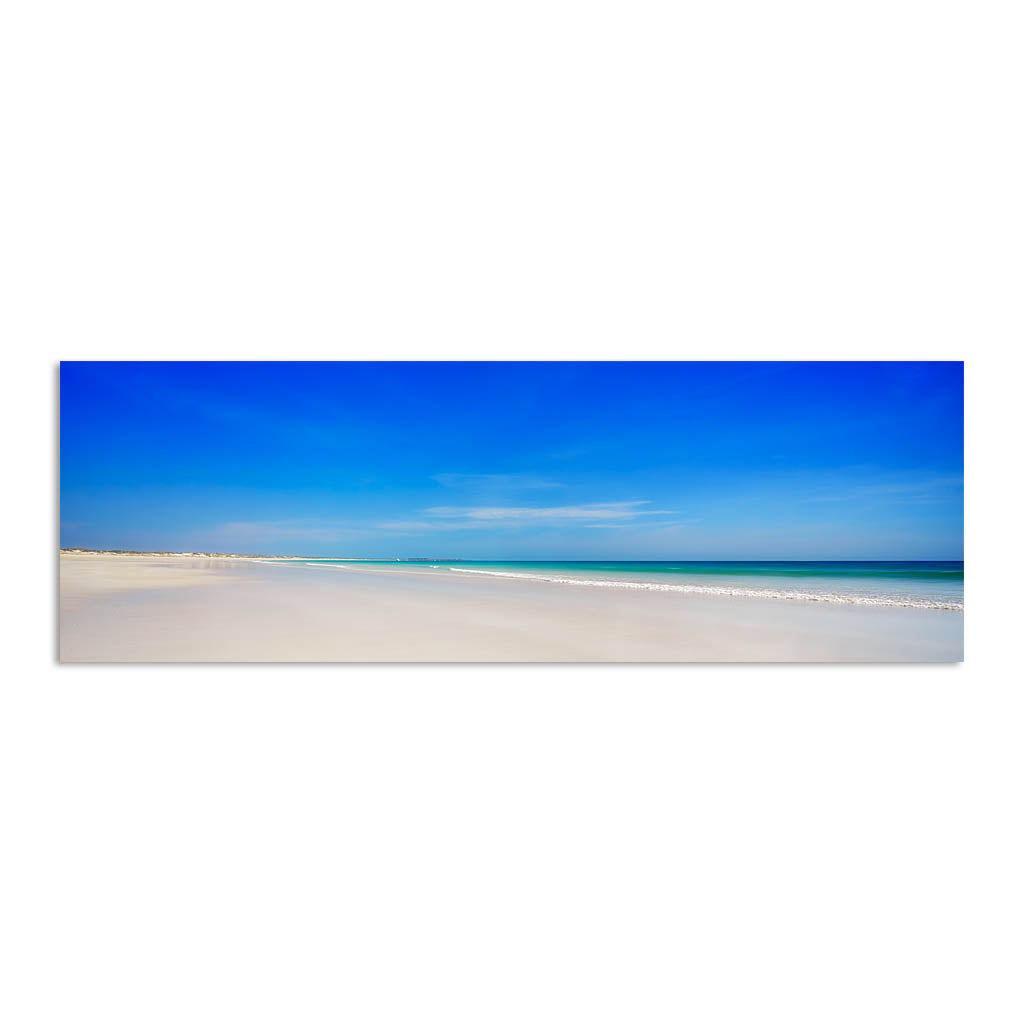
(511,512)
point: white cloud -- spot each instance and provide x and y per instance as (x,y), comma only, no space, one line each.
(908,491)
(596,515)
(421,525)
(601,511)
(495,480)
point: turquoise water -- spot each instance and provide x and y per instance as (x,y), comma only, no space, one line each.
(906,584)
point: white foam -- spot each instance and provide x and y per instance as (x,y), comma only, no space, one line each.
(686,588)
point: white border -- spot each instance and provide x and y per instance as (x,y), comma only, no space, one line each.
(710,843)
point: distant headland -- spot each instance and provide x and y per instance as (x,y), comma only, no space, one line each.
(122,552)
(126,553)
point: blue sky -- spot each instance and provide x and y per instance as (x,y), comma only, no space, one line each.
(516,460)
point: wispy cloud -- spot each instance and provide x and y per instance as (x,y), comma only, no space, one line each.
(911,490)
(497,514)
(423,525)
(497,481)
(598,515)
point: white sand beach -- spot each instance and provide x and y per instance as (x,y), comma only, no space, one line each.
(191,609)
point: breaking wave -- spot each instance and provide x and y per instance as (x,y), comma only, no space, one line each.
(689,588)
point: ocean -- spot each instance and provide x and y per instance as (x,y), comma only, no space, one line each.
(886,584)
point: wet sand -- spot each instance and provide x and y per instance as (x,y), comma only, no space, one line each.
(180,609)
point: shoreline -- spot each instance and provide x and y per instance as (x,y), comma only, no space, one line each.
(86,553)
(195,608)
